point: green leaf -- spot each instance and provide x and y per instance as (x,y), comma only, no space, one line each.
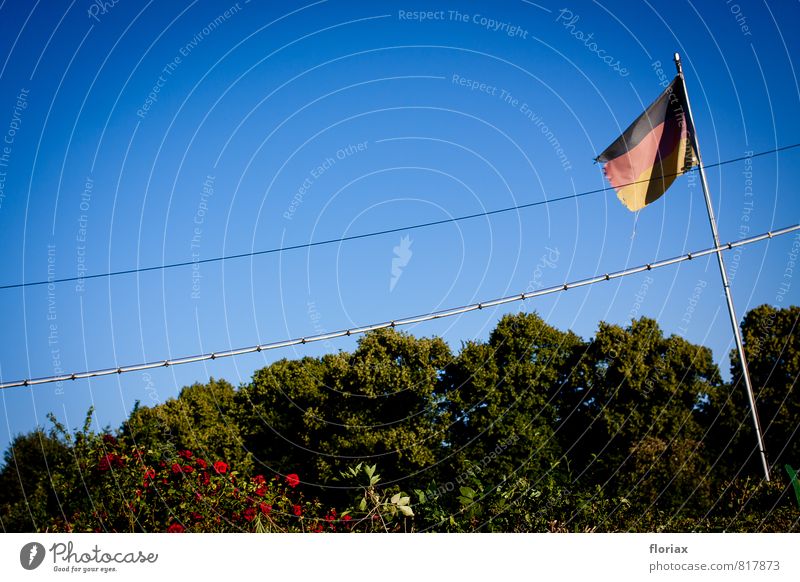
(467,492)
(395,498)
(795,483)
(406,510)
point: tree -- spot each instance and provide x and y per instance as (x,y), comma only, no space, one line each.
(631,415)
(27,497)
(772,348)
(502,397)
(199,420)
(316,416)
(533,429)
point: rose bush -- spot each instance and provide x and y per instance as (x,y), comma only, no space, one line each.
(116,486)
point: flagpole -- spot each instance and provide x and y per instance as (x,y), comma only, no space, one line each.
(737,334)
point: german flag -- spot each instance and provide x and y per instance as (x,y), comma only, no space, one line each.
(657,148)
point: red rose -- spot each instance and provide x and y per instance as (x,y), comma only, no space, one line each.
(298,510)
(201,463)
(108,461)
(175,527)
(185,454)
(150,474)
(109,440)
(259,480)
(197,516)
(220,467)
(261,491)
(176,468)
(292,480)
(265,509)
(347,518)
(188,469)
(250,513)
(203,478)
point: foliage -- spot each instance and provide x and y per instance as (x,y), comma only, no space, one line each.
(532,430)
(374,510)
(632,415)
(27,497)
(132,490)
(772,349)
(199,419)
(379,402)
(502,397)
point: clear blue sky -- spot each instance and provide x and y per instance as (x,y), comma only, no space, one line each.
(251,141)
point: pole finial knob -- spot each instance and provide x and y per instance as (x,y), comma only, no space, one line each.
(678,66)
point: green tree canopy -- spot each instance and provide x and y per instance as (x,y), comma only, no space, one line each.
(631,414)
(315,416)
(533,429)
(27,496)
(199,419)
(772,349)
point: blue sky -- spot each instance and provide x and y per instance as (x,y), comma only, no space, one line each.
(151,133)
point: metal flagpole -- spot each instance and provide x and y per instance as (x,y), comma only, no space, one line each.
(737,334)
